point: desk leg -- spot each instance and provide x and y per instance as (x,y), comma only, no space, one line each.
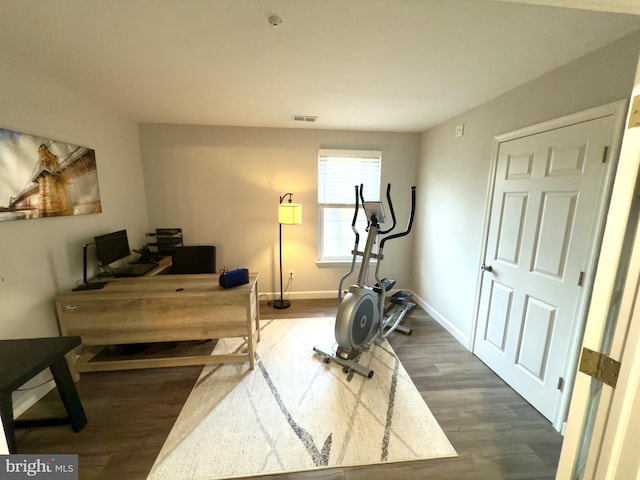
(71,363)
(68,393)
(257,312)
(6,411)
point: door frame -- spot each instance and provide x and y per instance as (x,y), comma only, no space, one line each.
(616,109)
(613,445)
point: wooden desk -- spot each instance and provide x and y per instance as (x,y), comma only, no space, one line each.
(158,309)
(21,360)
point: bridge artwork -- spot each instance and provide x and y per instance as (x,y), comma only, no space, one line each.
(40,178)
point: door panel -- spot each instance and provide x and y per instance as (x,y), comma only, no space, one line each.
(566,161)
(555,227)
(498,316)
(546,194)
(519,166)
(533,348)
(511,221)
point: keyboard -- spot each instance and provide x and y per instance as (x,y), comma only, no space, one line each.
(132,270)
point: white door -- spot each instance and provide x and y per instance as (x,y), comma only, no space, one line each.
(543,229)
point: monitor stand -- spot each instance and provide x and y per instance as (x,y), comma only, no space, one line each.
(86,285)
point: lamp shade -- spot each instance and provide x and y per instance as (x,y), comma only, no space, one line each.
(290,214)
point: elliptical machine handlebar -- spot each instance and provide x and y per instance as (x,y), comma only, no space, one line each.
(409,224)
(360,196)
(381,295)
(359,203)
(355,214)
(391,211)
(357,242)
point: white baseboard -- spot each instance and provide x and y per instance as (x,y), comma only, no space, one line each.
(452,329)
(308,295)
(446,324)
(312,294)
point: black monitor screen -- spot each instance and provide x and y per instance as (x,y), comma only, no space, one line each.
(112,247)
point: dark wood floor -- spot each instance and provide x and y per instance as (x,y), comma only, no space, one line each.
(496,433)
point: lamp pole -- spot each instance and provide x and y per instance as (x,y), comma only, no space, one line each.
(282,303)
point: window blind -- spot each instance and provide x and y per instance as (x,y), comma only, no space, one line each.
(340,170)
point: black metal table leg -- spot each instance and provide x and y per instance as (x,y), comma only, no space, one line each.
(68,393)
(6,412)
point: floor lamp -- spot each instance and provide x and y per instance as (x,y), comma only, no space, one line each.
(288,214)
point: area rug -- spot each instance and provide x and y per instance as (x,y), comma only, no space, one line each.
(294,412)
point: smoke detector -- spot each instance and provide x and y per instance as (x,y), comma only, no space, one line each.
(275,21)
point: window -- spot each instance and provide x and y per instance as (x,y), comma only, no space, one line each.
(339,171)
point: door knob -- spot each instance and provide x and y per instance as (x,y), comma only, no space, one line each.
(486,268)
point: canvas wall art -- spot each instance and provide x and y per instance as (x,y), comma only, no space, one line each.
(40,177)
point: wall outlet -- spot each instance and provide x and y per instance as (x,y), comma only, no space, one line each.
(290,273)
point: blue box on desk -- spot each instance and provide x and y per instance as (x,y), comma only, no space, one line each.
(233,278)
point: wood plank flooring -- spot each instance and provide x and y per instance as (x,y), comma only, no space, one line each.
(496,433)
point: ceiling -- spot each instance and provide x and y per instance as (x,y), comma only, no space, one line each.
(387,65)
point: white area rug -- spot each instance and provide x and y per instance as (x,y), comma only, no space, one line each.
(293,412)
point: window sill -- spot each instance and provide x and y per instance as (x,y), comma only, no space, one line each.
(340,263)
(333,263)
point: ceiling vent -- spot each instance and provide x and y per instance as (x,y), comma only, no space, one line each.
(304,118)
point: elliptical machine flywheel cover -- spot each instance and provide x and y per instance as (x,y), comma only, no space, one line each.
(357,319)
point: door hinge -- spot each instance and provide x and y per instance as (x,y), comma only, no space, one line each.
(580,279)
(600,366)
(604,154)
(560,383)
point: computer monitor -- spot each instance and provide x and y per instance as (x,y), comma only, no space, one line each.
(112,247)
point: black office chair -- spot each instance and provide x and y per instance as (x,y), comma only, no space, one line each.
(194,259)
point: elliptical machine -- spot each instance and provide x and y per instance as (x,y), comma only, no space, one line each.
(362,317)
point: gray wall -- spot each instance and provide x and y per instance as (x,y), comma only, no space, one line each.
(42,257)
(454,173)
(222,184)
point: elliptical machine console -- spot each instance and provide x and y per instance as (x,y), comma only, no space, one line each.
(362,317)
